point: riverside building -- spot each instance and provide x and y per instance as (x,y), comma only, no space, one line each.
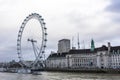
(104,57)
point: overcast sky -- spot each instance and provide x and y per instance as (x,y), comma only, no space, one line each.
(97,19)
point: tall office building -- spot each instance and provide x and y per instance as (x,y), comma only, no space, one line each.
(63,45)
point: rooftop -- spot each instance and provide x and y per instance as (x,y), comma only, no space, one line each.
(84,51)
(64,40)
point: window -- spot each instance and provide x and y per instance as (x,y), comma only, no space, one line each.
(102,59)
(101,54)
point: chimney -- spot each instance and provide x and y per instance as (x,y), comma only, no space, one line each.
(109,46)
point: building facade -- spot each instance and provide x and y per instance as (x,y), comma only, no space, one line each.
(104,57)
(57,60)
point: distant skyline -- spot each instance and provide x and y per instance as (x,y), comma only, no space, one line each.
(92,19)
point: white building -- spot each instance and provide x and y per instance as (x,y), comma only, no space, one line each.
(82,59)
(63,45)
(115,57)
(57,60)
(101,57)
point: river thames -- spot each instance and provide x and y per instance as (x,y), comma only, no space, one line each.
(59,76)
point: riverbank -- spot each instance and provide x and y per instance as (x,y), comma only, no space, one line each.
(85,70)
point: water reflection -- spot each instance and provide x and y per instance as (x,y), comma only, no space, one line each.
(59,76)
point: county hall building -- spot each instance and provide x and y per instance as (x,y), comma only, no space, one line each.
(101,57)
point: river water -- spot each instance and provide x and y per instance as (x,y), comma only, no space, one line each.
(59,76)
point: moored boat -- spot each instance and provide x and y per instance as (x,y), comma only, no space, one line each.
(36,73)
(24,71)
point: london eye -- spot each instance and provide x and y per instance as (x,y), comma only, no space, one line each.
(38,45)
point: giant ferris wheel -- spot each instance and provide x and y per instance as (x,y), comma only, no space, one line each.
(38,50)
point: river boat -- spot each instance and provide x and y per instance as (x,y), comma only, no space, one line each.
(36,73)
(24,71)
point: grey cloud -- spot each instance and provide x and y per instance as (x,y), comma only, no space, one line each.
(114,9)
(114,6)
(60,23)
(75,17)
(115,18)
(8,53)
(105,31)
